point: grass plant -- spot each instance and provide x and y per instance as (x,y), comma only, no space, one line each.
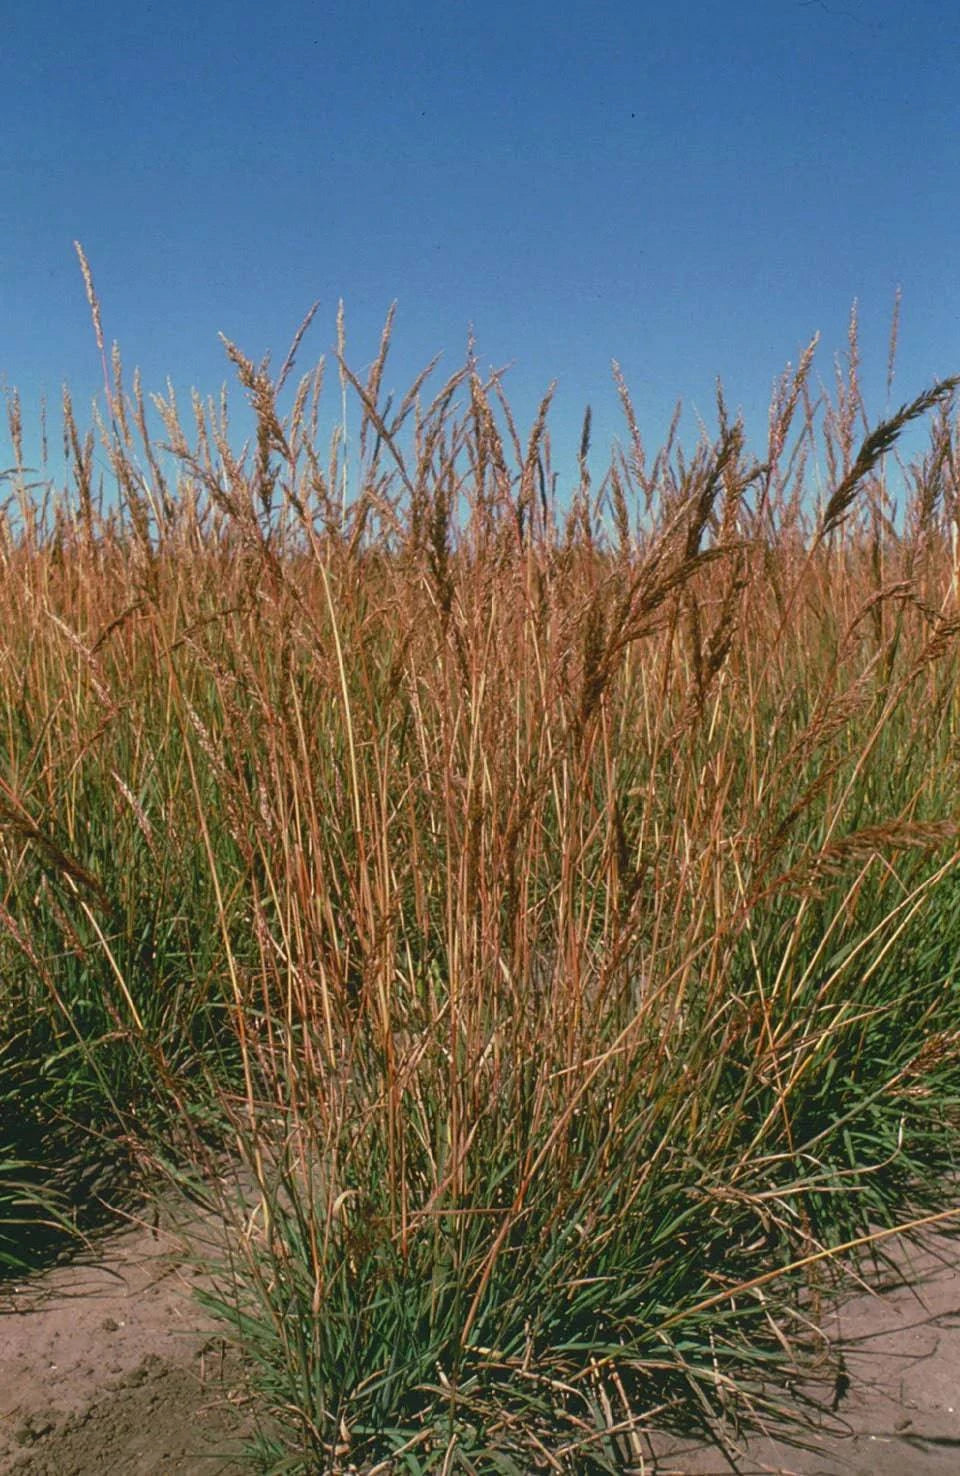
(548,905)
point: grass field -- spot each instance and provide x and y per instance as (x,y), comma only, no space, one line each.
(550,905)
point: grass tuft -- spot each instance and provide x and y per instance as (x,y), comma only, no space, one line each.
(533,925)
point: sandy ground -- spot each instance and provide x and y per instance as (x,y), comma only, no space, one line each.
(106,1366)
(900,1415)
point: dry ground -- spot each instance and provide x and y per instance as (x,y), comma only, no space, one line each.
(106,1365)
(900,1415)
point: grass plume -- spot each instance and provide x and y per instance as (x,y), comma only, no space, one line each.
(556,932)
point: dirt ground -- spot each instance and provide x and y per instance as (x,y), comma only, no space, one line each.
(106,1366)
(900,1413)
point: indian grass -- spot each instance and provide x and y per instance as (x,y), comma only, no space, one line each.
(549,910)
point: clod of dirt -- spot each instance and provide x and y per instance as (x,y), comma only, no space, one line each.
(158,1419)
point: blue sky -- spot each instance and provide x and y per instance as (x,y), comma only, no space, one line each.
(692,189)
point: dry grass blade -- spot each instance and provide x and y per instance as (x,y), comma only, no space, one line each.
(542,901)
(874,447)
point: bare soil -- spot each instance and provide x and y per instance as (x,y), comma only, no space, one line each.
(897,1405)
(108,1366)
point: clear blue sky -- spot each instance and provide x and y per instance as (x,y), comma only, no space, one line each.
(690,188)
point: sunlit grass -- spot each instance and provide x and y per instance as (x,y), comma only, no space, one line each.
(550,910)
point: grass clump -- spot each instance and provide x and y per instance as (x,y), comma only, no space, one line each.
(551,906)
